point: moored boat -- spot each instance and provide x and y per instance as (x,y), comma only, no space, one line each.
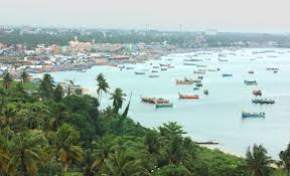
(186,96)
(185,81)
(253,115)
(227,75)
(251,72)
(250,82)
(153,76)
(257,92)
(205,92)
(263,101)
(163,105)
(139,73)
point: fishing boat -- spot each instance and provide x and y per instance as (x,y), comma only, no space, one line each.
(164,65)
(150,100)
(227,75)
(154,71)
(192,60)
(163,105)
(189,64)
(253,115)
(185,81)
(251,72)
(201,66)
(263,101)
(275,71)
(200,77)
(257,92)
(189,97)
(153,76)
(199,72)
(222,60)
(205,92)
(272,69)
(155,66)
(129,68)
(250,82)
(198,85)
(196,88)
(139,73)
(163,69)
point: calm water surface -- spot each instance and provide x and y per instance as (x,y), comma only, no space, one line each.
(217,116)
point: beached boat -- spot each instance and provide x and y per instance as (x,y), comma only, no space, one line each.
(227,75)
(185,81)
(253,115)
(263,101)
(250,82)
(257,92)
(163,105)
(189,97)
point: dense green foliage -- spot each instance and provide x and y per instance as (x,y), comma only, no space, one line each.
(47,132)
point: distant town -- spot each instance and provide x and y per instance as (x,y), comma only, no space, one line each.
(37,50)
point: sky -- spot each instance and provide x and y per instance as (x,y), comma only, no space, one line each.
(270,16)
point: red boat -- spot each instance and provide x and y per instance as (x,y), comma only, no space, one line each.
(257,92)
(190,97)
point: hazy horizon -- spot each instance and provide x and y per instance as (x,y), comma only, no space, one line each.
(271,16)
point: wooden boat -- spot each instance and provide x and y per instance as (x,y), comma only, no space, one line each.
(201,66)
(154,71)
(153,100)
(227,75)
(139,73)
(150,100)
(196,88)
(263,101)
(198,85)
(163,69)
(205,92)
(272,69)
(185,81)
(251,72)
(129,68)
(275,71)
(257,92)
(192,60)
(199,72)
(163,105)
(222,60)
(200,77)
(189,97)
(250,82)
(189,64)
(155,67)
(153,76)
(253,115)
(164,65)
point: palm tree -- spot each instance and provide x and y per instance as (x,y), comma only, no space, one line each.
(171,129)
(118,98)
(257,161)
(24,77)
(28,151)
(4,156)
(7,80)
(285,159)
(46,87)
(67,146)
(152,142)
(122,163)
(103,86)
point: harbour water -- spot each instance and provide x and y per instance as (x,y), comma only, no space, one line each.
(217,116)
